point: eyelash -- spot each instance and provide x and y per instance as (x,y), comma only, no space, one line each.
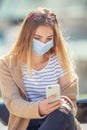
(39,38)
(49,39)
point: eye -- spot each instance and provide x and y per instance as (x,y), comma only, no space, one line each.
(37,38)
(49,39)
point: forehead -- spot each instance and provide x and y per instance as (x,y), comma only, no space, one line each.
(44,30)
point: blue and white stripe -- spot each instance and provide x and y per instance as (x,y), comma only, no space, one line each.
(36,83)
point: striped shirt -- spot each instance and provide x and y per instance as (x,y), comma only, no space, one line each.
(36,83)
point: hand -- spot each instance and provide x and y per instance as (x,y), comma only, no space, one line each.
(46,107)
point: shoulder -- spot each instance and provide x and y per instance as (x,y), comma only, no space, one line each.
(55,60)
(7,60)
(54,57)
(3,60)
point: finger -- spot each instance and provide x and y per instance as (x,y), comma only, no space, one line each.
(52,109)
(56,103)
(51,98)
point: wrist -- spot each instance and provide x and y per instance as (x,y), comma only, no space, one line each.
(66,103)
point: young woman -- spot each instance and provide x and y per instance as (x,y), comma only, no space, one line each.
(39,58)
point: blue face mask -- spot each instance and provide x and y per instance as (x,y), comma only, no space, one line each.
(40,48)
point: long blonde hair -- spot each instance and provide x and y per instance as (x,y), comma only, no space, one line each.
(23,46)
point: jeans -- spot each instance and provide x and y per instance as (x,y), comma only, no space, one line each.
(57,120)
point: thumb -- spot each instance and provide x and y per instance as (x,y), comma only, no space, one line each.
(51,98)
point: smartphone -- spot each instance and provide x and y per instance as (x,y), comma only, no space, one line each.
(53,90)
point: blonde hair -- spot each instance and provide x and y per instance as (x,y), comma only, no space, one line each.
(23,46)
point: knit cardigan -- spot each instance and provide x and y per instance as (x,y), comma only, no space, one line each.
(14,95)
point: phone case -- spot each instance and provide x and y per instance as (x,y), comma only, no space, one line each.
(53,90)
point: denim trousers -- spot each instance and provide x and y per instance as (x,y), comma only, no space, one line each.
(57,120)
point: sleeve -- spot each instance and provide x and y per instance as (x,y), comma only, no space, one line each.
(12,97)
(70,93)
(61,71)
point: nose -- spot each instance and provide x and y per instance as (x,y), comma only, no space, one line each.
(44,40)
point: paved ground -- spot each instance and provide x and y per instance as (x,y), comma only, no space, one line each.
(2,127)
(84,126)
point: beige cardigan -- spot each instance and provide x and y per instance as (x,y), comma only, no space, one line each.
(14,94)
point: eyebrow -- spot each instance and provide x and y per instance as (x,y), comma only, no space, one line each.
(41,36)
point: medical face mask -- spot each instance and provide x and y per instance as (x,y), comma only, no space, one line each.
(40,48)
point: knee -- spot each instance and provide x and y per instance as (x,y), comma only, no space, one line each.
(58,115)
(61,115)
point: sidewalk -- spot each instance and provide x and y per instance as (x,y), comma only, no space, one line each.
(2,127)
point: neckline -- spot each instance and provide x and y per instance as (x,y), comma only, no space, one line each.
(41,70)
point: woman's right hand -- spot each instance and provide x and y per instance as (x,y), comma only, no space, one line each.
(47,106)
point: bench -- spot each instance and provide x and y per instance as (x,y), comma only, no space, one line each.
(81,113)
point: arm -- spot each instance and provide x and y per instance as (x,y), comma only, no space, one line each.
(69,90)
(16,104)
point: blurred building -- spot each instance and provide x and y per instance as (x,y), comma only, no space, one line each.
(72,16)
